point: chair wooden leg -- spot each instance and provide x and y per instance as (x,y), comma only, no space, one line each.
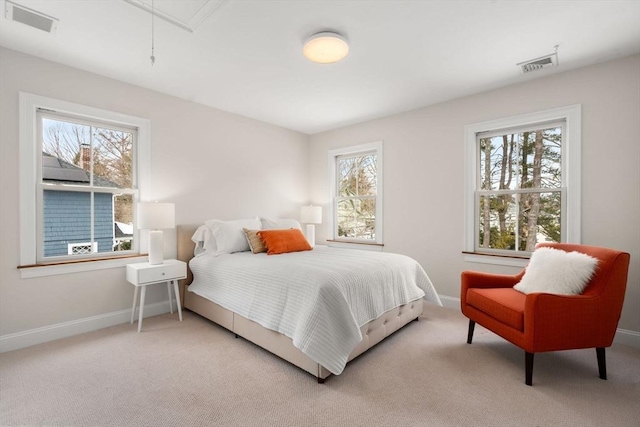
(602,363)
(528,367)
(472,325)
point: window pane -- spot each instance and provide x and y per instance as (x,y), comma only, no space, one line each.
(123,222)
(112,158)
(357,176)
(543,159)
(498,222)
(347,177)
(367,176)
(498,158)
(356,218)
(65,152)
(529,159)
(519,221)
(540,219)
(67,222)
(72,151)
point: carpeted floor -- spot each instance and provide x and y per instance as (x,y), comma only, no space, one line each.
(197,373)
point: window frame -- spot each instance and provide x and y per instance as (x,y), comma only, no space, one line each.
(362,149)
(31,188)
(571,170)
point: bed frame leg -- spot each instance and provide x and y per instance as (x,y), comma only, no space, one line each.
(237,336)
(320,380)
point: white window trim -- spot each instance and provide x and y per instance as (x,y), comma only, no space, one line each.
(28,106)
(368,147)
(571,170)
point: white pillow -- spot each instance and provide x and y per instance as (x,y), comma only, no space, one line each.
(554,271)
(229,235)
(204,241)
(279,224)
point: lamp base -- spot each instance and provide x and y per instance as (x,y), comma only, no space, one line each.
(311,234)
(155,247)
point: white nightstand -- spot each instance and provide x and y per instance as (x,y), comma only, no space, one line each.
(142,274)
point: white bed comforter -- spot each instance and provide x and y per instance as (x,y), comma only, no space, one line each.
(318,298)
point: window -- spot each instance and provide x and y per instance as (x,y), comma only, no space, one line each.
(82,170)
(85,185)
(357,193)
(523,182)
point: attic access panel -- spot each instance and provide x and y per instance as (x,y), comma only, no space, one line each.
(187,15)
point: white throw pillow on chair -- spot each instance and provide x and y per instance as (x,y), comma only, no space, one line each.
(554,271)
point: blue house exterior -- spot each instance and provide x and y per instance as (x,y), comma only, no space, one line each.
(67,221)
(67,214)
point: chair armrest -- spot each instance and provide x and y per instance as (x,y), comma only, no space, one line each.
(558,322)
(478,279)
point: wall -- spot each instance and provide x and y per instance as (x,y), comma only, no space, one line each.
(423,169)
(211,163)
(217,164)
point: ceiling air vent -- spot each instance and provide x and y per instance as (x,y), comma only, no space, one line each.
(30,17)
(536,64)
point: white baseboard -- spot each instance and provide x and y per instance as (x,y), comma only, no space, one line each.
(623,336)
(450,302)
(627,337)
(31,337)
(75,327)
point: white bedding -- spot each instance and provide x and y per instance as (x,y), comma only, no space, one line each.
(318,298)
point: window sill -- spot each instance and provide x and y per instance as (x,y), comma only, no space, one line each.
(510,261)
(42,270)
(365,246)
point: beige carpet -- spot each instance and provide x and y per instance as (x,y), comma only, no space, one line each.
(196,373)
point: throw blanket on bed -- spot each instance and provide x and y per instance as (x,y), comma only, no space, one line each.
(318,298)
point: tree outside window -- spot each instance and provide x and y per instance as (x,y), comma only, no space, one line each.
(356,196)
(519,194)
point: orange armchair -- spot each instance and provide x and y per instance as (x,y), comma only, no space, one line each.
(540,322)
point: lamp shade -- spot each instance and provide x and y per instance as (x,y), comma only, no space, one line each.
(325,48)
(153,215)
(311,215)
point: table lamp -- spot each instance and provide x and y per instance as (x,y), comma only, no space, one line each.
(311,215)
(153,216)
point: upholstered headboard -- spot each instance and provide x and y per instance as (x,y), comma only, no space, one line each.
(186,247)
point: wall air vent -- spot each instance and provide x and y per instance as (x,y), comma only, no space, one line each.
(30,17)
(536,64)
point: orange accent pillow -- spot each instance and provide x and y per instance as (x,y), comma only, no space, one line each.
(284,241)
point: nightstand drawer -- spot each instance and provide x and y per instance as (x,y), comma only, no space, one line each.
(166,272)
(140,274)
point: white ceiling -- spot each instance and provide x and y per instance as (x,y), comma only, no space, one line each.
(246,56)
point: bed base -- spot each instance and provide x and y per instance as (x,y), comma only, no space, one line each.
(282,346)
(275,342)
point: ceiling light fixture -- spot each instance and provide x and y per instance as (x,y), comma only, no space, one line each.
(325,48)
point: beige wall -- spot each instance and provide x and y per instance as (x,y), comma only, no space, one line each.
(423,169)
(211,163)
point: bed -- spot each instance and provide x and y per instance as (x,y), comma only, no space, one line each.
(320,352)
